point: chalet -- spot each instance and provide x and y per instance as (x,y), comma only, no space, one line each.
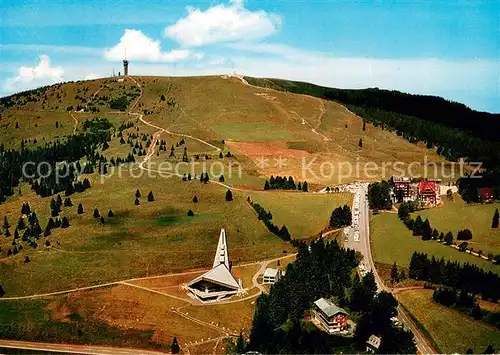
(486,193)
(429,192)
(329,316)
(271,276)
(373,344)
(218,283)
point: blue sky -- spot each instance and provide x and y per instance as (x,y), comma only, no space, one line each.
(446,48)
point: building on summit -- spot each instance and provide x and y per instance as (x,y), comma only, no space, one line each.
(218,283)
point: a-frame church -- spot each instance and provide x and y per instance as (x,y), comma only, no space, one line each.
(218,283)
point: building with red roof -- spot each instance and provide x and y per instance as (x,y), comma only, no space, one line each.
(429,192)
(487,193)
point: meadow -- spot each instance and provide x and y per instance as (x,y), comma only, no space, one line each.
(304,214)
(457,215)
(155,237)
(452,331)
(392,243)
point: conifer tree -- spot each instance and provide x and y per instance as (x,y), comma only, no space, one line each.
(137,202)
(360,143)
(80,208)
(137,194)
(229,196)
(394,273)
(7,233)
(51,224)
(190,213)
(495,221)
(285,235)
(151,197)
(96,213)
(110,214)
(65,222)
(195,199)
(305,187)
(20,223)
(448,238)
(174,348)
(221,178)
(6,224)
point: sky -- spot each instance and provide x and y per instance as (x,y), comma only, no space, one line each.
(449,48)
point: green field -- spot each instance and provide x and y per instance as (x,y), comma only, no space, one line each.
(393,242)
(457,215)
(305,215)
(155,237)
(452,331)
(252,132)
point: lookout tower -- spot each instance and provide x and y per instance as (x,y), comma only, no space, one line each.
(125,67)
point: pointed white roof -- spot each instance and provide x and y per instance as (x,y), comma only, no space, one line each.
(219,275)
(221,254)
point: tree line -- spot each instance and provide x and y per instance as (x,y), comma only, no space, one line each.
(284,183)
(267,217)
(422,228)
(467,277)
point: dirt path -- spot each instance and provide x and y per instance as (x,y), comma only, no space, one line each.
(76,122)
(73,349)
(304,121)
(86,105)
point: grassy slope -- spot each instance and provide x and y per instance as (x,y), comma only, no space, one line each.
(453,332)
(305,215)
(157,236)
(122,308)
(393,242)
(457,215)
(211,107)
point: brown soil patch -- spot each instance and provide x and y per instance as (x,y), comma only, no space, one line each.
(159,283)
(275,148)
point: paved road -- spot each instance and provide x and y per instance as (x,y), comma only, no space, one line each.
(74,349)
(364,247)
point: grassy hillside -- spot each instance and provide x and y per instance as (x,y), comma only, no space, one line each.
(452,331)
(457,215)
(453,128)
(392,243)
(218,124)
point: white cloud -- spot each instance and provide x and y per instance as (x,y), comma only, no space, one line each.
(32,77)
(92,76)
(222,23)
(137,46)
